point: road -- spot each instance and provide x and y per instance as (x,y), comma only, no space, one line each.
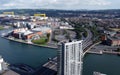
(88,40)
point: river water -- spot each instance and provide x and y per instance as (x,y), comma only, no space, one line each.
(14,52)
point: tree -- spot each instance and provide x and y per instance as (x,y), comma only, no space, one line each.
(85,34)
(118,49)
(78,36)
(48,35)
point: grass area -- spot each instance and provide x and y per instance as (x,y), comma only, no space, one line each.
(41,41)
(1,27)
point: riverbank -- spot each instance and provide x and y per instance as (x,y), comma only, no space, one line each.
(3,27)
(20,41)
(103,52)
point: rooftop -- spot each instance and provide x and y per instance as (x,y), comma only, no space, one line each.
(41,29)
(28,32)
(10,72)
(67,42)
(114,38)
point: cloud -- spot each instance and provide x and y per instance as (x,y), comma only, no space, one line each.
(98,2)
(9,4)
(53,4)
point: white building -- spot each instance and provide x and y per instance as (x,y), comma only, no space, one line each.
(42,29)
(66,27)
(3,65)
(70,58)
(1,61)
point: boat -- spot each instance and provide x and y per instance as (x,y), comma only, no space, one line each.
(98,73)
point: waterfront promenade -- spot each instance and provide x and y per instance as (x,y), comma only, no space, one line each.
(20,41)
(103,52)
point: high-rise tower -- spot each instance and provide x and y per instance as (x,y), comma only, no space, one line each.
(70,58)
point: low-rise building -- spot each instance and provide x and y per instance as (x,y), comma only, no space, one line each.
(42,29)
(25,34)
(113,41)
(17,33)
(111,33)
(66,27)
(35,35)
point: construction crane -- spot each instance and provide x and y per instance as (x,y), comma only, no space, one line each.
(41,15)
(8,13)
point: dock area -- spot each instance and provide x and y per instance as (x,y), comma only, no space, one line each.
(10,72)
(111,52)
(49,68)
(52,64)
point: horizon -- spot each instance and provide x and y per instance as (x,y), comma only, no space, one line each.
(59,9)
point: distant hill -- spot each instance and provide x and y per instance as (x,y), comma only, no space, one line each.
(61,13)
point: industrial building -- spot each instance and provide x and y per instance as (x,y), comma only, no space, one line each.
(70,58)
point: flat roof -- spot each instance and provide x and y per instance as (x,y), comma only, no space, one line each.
(27,32)
(41,29)
(113,38)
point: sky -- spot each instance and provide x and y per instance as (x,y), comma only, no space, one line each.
(60,4)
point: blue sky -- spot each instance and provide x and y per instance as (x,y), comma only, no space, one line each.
(60,4)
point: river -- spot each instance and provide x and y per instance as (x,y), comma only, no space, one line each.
(14,52)
(109,64)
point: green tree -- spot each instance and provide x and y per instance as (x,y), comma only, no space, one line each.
(118,49)
(48,35)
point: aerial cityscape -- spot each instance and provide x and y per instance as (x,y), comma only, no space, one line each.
(59,37)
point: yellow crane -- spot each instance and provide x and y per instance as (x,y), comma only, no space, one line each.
(8,13)
(41,15)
